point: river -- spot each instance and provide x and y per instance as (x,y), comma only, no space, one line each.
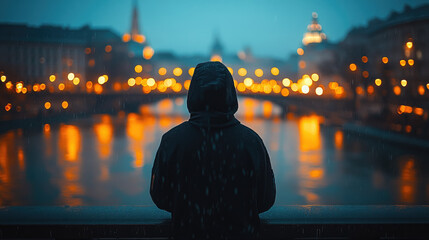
(107,160)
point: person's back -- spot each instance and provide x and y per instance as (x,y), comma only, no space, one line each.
(211,172)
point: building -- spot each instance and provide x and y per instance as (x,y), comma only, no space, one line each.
(48,54)
(386,62)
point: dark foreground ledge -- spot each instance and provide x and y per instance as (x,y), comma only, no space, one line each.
(281,222)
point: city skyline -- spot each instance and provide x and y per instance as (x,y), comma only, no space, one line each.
(237,26)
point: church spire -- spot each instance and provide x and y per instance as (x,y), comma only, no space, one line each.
(135,21)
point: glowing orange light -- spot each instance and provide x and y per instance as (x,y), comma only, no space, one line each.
(47,127)
(365,74)
(102,80)
(397,90)
(353,67)
(162,71)
(3,78)
(76,81)
(404,82)
(385,60)
(8,107)
(177,72)
(108,48)
(277,88)
(146,89)
(286,82)
(216,58)
(302,64)
(315,77)
(408,109)
(138,68)
(52,78)
(241,87)
(307,81)
(359,90)
(410,62)
(319,91)
(242,72)
(285,92)
(91,62)
(65,104)
(305,89)
(126,37)
(61,86)
(151,82)
(9,85)
(148,52)
(168,82)
(333,85)
(131,82)
(401,109)
(139,80)
(267,88)
(300,51)
(177,87)
(427,85)
(409,44)
(402,62)
(47,105)
(191,71)
(339,90)
(421,89)
(370,89)
(275,71)
(259,72)
(418,111)
(294,87)
(87,50)
(248,82)
(88,84)
(186,84)
(364,59)
(98,89)
(70,76)
(377,82)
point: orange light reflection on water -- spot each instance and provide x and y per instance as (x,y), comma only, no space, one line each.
(310,169)
(70,144)
(408,181)
(338,139)
(135,132)
(104,134)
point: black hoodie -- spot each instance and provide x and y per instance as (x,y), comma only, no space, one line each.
(211,172)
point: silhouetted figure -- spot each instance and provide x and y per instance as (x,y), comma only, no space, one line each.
(212,173)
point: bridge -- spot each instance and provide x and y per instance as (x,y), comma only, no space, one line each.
(131,101)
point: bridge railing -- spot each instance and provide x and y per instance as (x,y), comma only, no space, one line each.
(278,223)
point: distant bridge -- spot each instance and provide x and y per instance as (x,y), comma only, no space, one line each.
(131,101)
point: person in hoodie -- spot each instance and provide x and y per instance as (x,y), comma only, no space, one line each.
(211,172)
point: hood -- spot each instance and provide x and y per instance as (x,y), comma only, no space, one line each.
(212,100)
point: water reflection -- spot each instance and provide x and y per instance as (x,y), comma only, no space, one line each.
(107,160)
(70,144)
(408,181)
(104,132)
(310,168)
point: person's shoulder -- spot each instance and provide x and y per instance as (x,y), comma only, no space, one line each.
(248,132)
(177,130)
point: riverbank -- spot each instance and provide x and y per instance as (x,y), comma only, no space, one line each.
(385,135)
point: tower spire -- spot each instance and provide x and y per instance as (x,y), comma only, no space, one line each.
(135,21)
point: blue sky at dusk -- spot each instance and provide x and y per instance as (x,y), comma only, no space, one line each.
(269,28)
